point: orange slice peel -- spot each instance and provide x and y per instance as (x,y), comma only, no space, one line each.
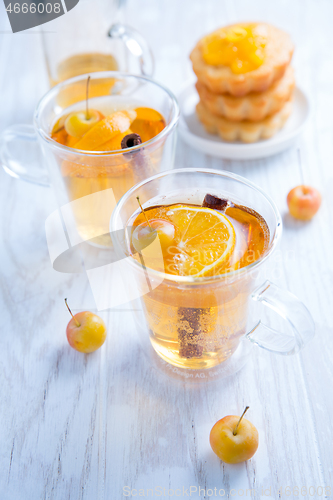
(106,130)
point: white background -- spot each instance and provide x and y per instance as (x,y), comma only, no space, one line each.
(83,427)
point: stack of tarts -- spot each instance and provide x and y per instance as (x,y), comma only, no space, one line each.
(245,81)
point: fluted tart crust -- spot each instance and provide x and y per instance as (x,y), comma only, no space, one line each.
(244,131)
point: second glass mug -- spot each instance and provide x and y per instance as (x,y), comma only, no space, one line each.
(215,309)
(77,175)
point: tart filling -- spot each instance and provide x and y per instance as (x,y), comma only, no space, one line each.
(240,47)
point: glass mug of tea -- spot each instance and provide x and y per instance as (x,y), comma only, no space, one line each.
(84,162)
(91,37)
(196,247)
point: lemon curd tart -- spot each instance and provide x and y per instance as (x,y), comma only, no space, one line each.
(242,58)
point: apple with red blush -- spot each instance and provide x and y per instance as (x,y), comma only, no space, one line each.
(303,202)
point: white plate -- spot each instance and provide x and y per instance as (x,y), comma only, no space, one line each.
(195,135)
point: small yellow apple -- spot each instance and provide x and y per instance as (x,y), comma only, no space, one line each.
(78,124)
(144,234)
(86,332)
(303,202)
(234,439)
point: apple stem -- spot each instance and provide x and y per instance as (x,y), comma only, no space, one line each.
(87,98)
(144,213)
(239,421)
(76,321)
(300,165)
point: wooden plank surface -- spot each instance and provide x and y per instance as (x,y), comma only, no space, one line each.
(83,427)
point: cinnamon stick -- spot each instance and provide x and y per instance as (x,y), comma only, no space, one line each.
(211,201)
(192,320)
(140,163)
(189,331)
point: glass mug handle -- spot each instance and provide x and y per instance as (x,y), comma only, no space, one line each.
(136,45)
(11,152)
(292,310)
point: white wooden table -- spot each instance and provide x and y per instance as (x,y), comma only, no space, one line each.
(84,427)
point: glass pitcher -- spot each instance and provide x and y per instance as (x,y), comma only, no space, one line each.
(91,38)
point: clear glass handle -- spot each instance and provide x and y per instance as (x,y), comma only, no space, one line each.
(298,320)
(21,156)
(136,45)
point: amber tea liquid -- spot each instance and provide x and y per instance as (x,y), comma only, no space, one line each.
(84,63)
(199,326)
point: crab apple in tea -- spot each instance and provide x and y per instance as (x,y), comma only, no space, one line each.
(303,202)
(86,332)
(78,124)
(145,233)
(234,439)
